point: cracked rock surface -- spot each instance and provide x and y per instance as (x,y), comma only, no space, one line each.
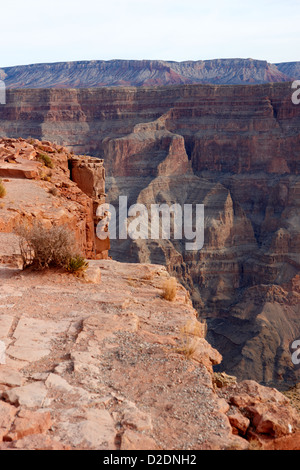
(101,366)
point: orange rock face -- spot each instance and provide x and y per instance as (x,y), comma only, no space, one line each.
(262,415)
(65,198)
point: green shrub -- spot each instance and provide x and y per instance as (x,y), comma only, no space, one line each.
(46,160)
(77,264)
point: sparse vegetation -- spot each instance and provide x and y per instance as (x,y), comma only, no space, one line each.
(254,444)
(189,335)
(2,189)
(189,349)
(77,265)
(45,177)
(46,247)
(169,289)
(44,158)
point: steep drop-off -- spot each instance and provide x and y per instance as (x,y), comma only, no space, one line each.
(233,148)
(106,366)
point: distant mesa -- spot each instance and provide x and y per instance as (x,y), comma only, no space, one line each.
(100,73)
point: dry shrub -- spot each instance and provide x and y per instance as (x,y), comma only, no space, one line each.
(53,191)
(189,334)
(45,177)
(169,289)
(149,275)
(2,189)
(45,247)
(195,328)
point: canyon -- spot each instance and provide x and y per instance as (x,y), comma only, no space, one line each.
(103,360)
(234,149)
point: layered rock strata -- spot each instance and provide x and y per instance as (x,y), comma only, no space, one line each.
(234,149)
(44,182)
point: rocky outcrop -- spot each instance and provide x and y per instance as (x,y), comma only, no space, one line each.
(40,171)
(114,366)
(234,149)
(89,175)
(98,73)
(264,416)
(292,69)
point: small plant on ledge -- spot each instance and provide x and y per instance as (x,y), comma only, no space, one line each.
(190,334)
(2,189)
(46,160)
(77,265)
(169,289)
(43,247)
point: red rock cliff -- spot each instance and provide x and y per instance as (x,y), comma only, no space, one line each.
(39,186)
(233,148)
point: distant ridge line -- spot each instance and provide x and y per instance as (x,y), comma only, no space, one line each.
(100,73)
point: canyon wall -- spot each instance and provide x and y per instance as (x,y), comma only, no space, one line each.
(234,149)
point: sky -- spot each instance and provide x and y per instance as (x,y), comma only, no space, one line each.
(34,31)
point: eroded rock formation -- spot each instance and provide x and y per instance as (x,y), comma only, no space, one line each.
(39,186)
(233,148)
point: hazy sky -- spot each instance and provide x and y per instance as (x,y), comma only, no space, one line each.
(34,31)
